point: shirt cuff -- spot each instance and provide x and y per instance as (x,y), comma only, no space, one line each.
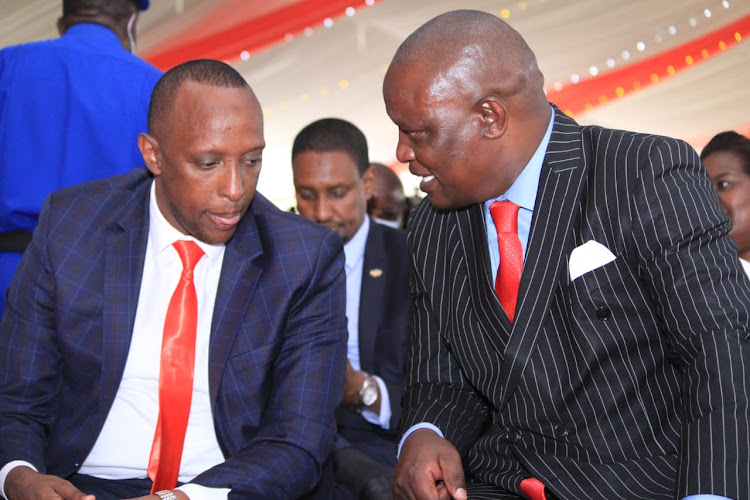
(416,427)
(198,492)
(384,418)
(7,468)
(706,497)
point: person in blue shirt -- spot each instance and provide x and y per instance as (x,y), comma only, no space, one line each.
(70,111)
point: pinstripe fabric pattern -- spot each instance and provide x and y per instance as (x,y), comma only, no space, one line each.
(629,382)
(277,348)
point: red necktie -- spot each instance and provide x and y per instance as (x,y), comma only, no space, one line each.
(505,216)
(176,373)
(533,489)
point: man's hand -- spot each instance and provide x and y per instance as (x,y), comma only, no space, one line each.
(353,380)
(24,483)
(429,468)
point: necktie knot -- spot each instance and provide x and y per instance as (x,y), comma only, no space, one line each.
(190,253)
(505,216)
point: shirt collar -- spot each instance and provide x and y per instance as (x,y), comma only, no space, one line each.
(354,250)
(162,234)
(93,33)
(523,190)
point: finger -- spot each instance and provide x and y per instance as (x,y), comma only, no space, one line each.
(402,484)
(453,477)
(69,492)
(442,491)
(408,484)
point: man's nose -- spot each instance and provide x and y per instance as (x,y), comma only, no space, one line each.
(322,209)
(404,151)
(232,186)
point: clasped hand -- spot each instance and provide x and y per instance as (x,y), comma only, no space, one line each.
(429,468)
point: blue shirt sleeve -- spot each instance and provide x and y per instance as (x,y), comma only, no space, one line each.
(706,497)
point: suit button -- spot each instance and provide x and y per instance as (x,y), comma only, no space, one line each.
(561,431)
(514,436)
(603,313)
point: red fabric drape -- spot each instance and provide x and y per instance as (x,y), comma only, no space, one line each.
(614,84)
(250,35)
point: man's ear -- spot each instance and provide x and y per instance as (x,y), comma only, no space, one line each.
(368,181)
(150,151)
(61,27)
(494,118)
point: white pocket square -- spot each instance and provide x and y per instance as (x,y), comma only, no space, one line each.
(587,257)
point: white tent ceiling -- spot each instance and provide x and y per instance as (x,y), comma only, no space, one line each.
(338,70)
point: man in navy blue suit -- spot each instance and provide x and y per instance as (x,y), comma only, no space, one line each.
(333,180)
(81,338)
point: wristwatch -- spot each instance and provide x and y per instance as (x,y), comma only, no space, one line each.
(368,393)
(166,495)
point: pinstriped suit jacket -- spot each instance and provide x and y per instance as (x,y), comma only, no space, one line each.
(277,348)
(629,382)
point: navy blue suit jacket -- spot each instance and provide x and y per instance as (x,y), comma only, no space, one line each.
(384,323)
(277,348)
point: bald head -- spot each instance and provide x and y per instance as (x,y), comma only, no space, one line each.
(387,203)
(385,178)
(204,71)
(468,97)
(475,51)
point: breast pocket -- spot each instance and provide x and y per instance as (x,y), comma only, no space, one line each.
(613,297)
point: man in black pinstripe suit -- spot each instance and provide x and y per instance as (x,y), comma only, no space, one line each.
(625,372)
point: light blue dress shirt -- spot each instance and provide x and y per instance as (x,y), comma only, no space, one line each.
(523,193)
(354,255)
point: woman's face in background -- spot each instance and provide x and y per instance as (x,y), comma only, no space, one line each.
(732,181)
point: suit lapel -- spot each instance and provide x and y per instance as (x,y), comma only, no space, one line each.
(557,203)
(371,295)
(124,256)
(240,273)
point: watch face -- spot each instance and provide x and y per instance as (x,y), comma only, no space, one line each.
(369,395)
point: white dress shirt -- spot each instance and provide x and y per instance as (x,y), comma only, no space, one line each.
(123,447)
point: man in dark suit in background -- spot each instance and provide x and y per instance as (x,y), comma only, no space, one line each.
(333,181)
(387,204)
(613,363)
(81,340)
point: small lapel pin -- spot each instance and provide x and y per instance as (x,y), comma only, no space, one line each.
(376,273)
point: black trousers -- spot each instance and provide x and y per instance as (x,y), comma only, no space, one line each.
(360,477)
(109,489)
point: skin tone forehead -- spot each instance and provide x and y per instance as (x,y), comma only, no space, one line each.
(324,169)
(461,76)
(199,107)
(725,162)
(474,58)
